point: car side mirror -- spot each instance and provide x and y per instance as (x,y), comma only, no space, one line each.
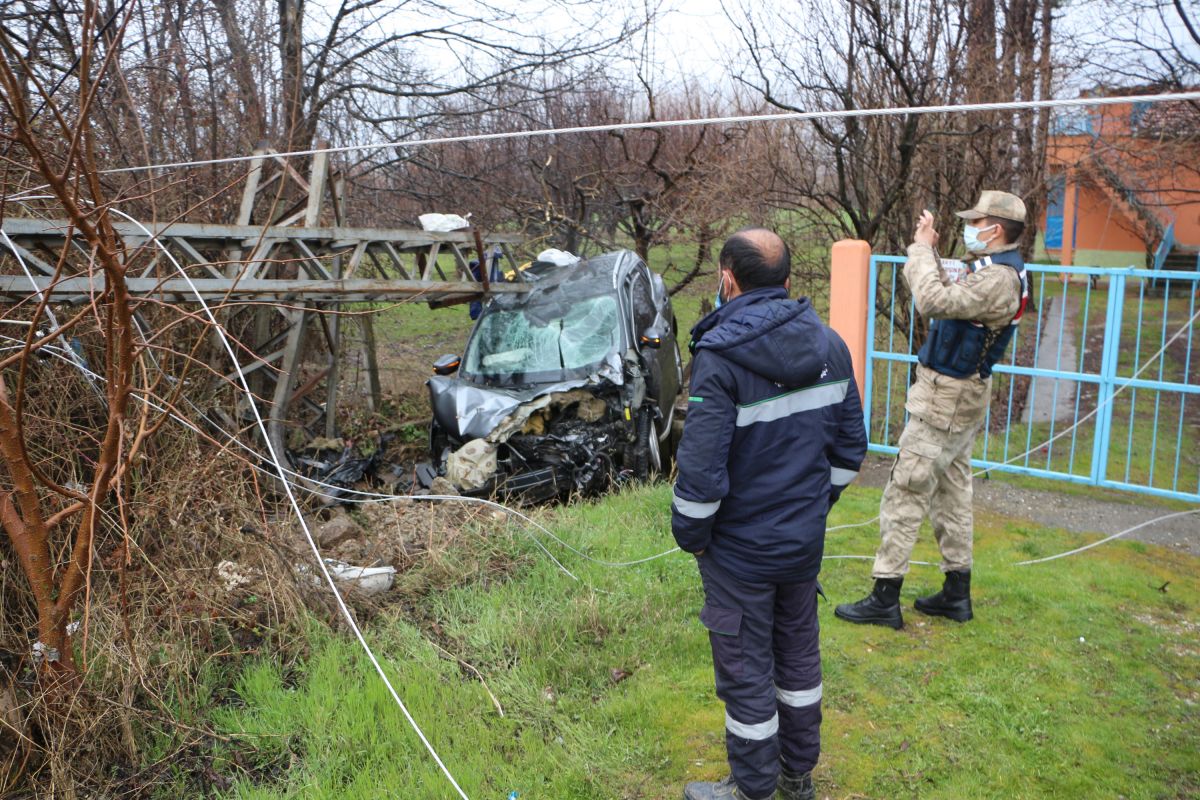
(446,365)
(651,337)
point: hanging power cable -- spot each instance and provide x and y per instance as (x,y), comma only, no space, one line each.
(741,119)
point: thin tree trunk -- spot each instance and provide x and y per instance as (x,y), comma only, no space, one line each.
(254,121)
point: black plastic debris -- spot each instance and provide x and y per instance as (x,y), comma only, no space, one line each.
(338,467)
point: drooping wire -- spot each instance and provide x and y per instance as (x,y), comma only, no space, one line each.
(274,458)
(359,496)
(1107,539)
(338,492)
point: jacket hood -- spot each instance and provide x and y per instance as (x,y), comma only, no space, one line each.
(762,330)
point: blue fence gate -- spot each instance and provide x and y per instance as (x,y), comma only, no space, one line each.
(1098,386)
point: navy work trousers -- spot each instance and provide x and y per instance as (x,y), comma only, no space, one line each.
(767,660)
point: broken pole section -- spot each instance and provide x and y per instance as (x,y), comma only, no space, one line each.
(335,354)
(255,265)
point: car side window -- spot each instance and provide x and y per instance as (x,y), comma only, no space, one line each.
(643,302)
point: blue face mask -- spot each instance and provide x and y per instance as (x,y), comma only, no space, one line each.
(971,237)
(719,300)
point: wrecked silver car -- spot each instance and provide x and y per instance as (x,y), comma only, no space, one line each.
(565,389)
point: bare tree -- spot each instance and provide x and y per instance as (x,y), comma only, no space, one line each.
(645,189)
(1147,43)
(40,512)
(204,79)
(867,178)
(855,176)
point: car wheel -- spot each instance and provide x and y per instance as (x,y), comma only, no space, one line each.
(638,455)
(669,445)
(438,441)
(661,447)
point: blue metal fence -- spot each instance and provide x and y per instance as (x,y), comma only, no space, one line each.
(1098,387)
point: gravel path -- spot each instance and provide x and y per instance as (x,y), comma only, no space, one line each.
(1072,512)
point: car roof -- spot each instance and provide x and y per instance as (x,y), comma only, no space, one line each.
(592,276)
(618,263)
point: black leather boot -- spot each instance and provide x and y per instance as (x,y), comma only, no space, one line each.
(795,786)
(880,607)
(953,601)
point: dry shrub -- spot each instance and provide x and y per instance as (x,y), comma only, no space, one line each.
(205,578)
(193,570)
(158,620)
(401,532)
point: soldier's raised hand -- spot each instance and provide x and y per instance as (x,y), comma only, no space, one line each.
(925,234)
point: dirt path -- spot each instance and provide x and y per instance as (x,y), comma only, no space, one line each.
(1075,513)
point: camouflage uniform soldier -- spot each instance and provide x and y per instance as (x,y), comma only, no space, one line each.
(973,320)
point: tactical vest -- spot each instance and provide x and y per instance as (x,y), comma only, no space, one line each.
(961,348)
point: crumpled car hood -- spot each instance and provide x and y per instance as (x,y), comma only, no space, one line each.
(468,411)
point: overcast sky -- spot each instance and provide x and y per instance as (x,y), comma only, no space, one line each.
(695,38)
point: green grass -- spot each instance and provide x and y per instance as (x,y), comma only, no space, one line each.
(1077,679)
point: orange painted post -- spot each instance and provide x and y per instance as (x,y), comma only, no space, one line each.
(1067,254)
(849,271)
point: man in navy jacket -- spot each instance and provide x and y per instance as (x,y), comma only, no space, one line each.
(774,433)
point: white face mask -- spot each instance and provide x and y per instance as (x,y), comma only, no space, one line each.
(971,237)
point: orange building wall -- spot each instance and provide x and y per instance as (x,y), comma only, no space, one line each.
(1101,226)
(1187,216)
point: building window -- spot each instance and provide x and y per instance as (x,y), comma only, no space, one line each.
(1071,122)
(1137,114)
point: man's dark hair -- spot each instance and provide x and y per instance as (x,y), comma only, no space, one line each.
(1012,229)
(757,257)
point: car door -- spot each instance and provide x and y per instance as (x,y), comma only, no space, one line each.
(670,328)
(662,377)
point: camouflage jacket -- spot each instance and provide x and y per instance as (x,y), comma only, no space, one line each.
(989,296)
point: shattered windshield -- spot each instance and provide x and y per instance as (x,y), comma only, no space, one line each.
(544,341)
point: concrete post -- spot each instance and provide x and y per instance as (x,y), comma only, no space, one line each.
(848,313)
